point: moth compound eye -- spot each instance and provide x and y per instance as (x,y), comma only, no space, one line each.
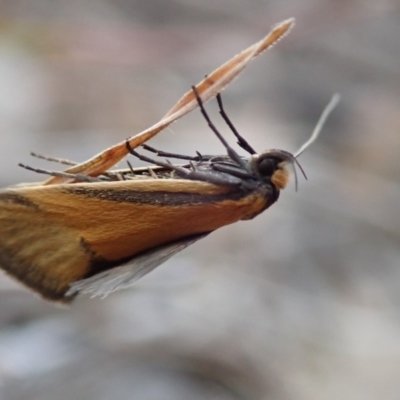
(267,166)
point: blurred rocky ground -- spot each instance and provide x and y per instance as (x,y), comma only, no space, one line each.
(301,303)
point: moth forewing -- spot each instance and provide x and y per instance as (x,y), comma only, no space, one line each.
(53,236)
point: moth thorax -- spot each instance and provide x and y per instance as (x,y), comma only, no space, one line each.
(280,178)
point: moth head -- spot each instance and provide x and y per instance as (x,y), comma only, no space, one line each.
(273,165)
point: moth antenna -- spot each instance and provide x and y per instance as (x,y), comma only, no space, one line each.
(320,124)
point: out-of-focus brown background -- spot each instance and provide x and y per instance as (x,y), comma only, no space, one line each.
(301,303)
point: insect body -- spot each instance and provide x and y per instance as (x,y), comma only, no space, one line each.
(103,230)
(62,239)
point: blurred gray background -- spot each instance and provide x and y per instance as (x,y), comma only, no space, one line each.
(303,302)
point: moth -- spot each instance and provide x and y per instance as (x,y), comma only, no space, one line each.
(93,230)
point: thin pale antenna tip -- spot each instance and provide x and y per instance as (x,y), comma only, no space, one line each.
(334,102)
(322,119)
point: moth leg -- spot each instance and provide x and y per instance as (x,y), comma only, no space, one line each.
(130,168)
(172,155)
(231,170)
(77,177)
(210,178)
(152,173)
(53,159)
(150,160)
(195,174)
(185,173)
(242,142)
(231,152)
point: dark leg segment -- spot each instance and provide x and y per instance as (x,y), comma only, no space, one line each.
(241,141)
(171,155)
(185,173)
(231,152)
